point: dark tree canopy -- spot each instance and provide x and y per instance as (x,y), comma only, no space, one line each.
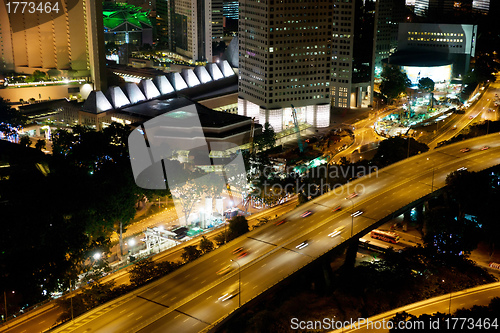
(394,82)
(426,84)
(395,149)
(238,226)
(11,120)
(267,139)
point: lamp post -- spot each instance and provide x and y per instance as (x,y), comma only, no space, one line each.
(5,300)
(432,184)
(449,304)
(352,217)
(239,282)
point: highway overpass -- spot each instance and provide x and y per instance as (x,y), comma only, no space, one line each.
(188,299)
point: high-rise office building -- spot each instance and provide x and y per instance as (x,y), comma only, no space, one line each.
(434,8)
(217,20)
(231,9)
(192,29)
(351,81)
(69,42)
(285,60)
(482,6)
(388,15)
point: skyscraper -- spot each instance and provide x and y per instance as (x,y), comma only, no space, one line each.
(69,42)
(192,26)
(217,20)
(434,8)
(482,6)
(351,79)
(285,60)
(388,15)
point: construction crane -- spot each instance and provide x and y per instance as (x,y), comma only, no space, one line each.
(299,139)
(252,132)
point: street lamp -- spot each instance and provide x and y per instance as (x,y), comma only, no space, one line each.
(239,282)
(449,305)
(432,185)
(352,217)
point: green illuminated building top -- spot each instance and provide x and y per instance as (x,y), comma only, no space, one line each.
(117,14)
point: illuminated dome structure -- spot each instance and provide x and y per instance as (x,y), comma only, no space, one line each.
(126,24)
(418,65)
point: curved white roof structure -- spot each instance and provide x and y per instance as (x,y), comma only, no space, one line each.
(133,93)
(116,97)
(149,89)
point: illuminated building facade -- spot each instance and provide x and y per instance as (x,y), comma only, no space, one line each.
(388,15)
(231,9)
(351,77)
(285,60)
(441,52)
(192,26)
(126,24)
(482,6)
(68,43)
(217,20)
(434,8)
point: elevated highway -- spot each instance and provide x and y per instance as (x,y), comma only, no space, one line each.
(188,299)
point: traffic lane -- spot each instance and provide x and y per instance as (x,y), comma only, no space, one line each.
(38,323)
(458,301)
(117,318)
(404,189)
(255,279)
(174,290)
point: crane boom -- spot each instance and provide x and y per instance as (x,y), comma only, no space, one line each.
(299,139)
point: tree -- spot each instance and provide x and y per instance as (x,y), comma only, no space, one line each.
(394,82)
(11,120)
(426,84)
(25,141)
(396,148)
(40,144)
(267,139)
(190,253)
(39,75)
(238,226)
(206,245)
(143,271)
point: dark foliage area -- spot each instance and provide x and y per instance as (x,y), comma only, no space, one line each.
(57,210)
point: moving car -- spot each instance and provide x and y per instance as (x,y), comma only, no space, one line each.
(237,250)
(242,255)
(225,270)
(464,150)
(306,213)
(280,222)
(352,195)
(357,213)
(336,209)
(337,231)
(302,245)
(485,148)
(230,293)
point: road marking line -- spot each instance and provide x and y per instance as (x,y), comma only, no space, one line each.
(131,314)
(139,318)
(123,311)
